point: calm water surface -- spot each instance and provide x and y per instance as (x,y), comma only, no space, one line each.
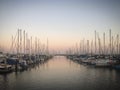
(59,73)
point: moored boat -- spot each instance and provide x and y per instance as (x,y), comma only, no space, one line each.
(102,63)
(5,68)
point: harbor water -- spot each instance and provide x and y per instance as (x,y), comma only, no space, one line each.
(60,73)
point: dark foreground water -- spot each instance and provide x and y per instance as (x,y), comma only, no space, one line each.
(60,73)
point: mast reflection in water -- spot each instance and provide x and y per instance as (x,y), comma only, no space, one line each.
(59,73)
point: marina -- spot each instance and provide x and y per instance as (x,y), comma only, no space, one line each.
(59,44)
(84,65)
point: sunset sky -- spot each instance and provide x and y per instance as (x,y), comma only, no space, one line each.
(63,22)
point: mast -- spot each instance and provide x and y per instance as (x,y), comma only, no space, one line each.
(18,44)
(91,46)
(104,43)
(95,41)
(12,51)
(31,45)
(80,49)
(110,41)
(119,49)
(29,52)
(38,47)
(99,44)
(24,41)
(87,46)
(112,45)
(47,47)
(35,46)
(20,41)
(16,65)
(117,44)
(83,47)
(26,49)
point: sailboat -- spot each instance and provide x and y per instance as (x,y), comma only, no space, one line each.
(4,67)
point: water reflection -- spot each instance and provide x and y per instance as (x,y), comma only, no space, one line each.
(4,81)
(60,73)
